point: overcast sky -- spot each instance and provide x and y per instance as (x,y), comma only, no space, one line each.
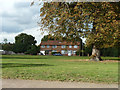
(17,16)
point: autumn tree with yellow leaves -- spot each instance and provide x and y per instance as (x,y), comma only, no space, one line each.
(98,22)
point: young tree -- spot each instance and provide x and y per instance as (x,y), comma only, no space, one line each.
(73,20)
(5,40)
(7,46)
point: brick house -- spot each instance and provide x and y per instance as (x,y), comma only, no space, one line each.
(64,47)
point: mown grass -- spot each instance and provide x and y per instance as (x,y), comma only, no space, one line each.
(59,68)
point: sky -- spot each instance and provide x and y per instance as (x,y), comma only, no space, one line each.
(17,16)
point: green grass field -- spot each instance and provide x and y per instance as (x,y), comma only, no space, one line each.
(59,68)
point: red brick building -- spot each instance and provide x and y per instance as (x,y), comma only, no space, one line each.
(64,47)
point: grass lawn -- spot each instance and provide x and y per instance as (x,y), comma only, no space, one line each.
(59,68)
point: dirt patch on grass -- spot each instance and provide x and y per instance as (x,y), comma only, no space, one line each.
(78,60)
(87,60)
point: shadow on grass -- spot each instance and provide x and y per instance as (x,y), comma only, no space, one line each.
(17,57)
(10,65)
(111,59)
(115,59)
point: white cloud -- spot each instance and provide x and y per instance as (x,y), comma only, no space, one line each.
(18,15)
(35,32)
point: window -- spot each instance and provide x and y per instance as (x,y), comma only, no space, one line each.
(63,46)
(42,46)
(70,46)
(62,51)
(48,46)
(75,46)
(70,51)
(74,52)
(54,46)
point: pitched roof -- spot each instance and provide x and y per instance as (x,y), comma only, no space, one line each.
(54,42)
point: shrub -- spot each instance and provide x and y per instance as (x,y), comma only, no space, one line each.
(54,52)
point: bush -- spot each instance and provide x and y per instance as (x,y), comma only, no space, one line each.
(33,51)
(54,52)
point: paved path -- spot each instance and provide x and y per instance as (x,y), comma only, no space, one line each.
(15,83)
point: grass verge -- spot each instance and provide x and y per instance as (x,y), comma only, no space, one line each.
(59,68)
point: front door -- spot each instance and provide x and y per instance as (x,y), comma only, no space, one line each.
(69,52)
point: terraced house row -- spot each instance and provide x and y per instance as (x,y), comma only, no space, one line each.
(65,48)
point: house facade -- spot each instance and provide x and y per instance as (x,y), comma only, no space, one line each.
(65,48)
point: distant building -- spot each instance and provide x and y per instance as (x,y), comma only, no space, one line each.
(3,52)
(65,48)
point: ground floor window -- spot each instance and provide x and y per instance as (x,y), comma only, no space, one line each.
(62,51)
(74,52)
(70,51)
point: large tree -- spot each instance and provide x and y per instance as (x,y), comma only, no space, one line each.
(34,50)
(98,22)
(23,42)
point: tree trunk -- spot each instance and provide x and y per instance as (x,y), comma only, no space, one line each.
(95,54)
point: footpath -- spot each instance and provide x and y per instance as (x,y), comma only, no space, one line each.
(16,83)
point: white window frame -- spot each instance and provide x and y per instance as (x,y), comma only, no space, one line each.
(63,52)
(63,46)
(54,46)
(70,51)
(42,46)
(75,46)
(70,46)
(74,52)
(48,46)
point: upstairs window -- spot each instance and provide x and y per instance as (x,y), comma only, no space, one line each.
(54,46)
(48,46)
(63,46)
(70,51)
(70,46)
(75,46)
(42,46)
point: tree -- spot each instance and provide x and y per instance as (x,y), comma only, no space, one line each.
(7,46)
(48,37)
(33,50)
(23,43)
(73,20)
(112,51)
(88,50)
(5,40)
